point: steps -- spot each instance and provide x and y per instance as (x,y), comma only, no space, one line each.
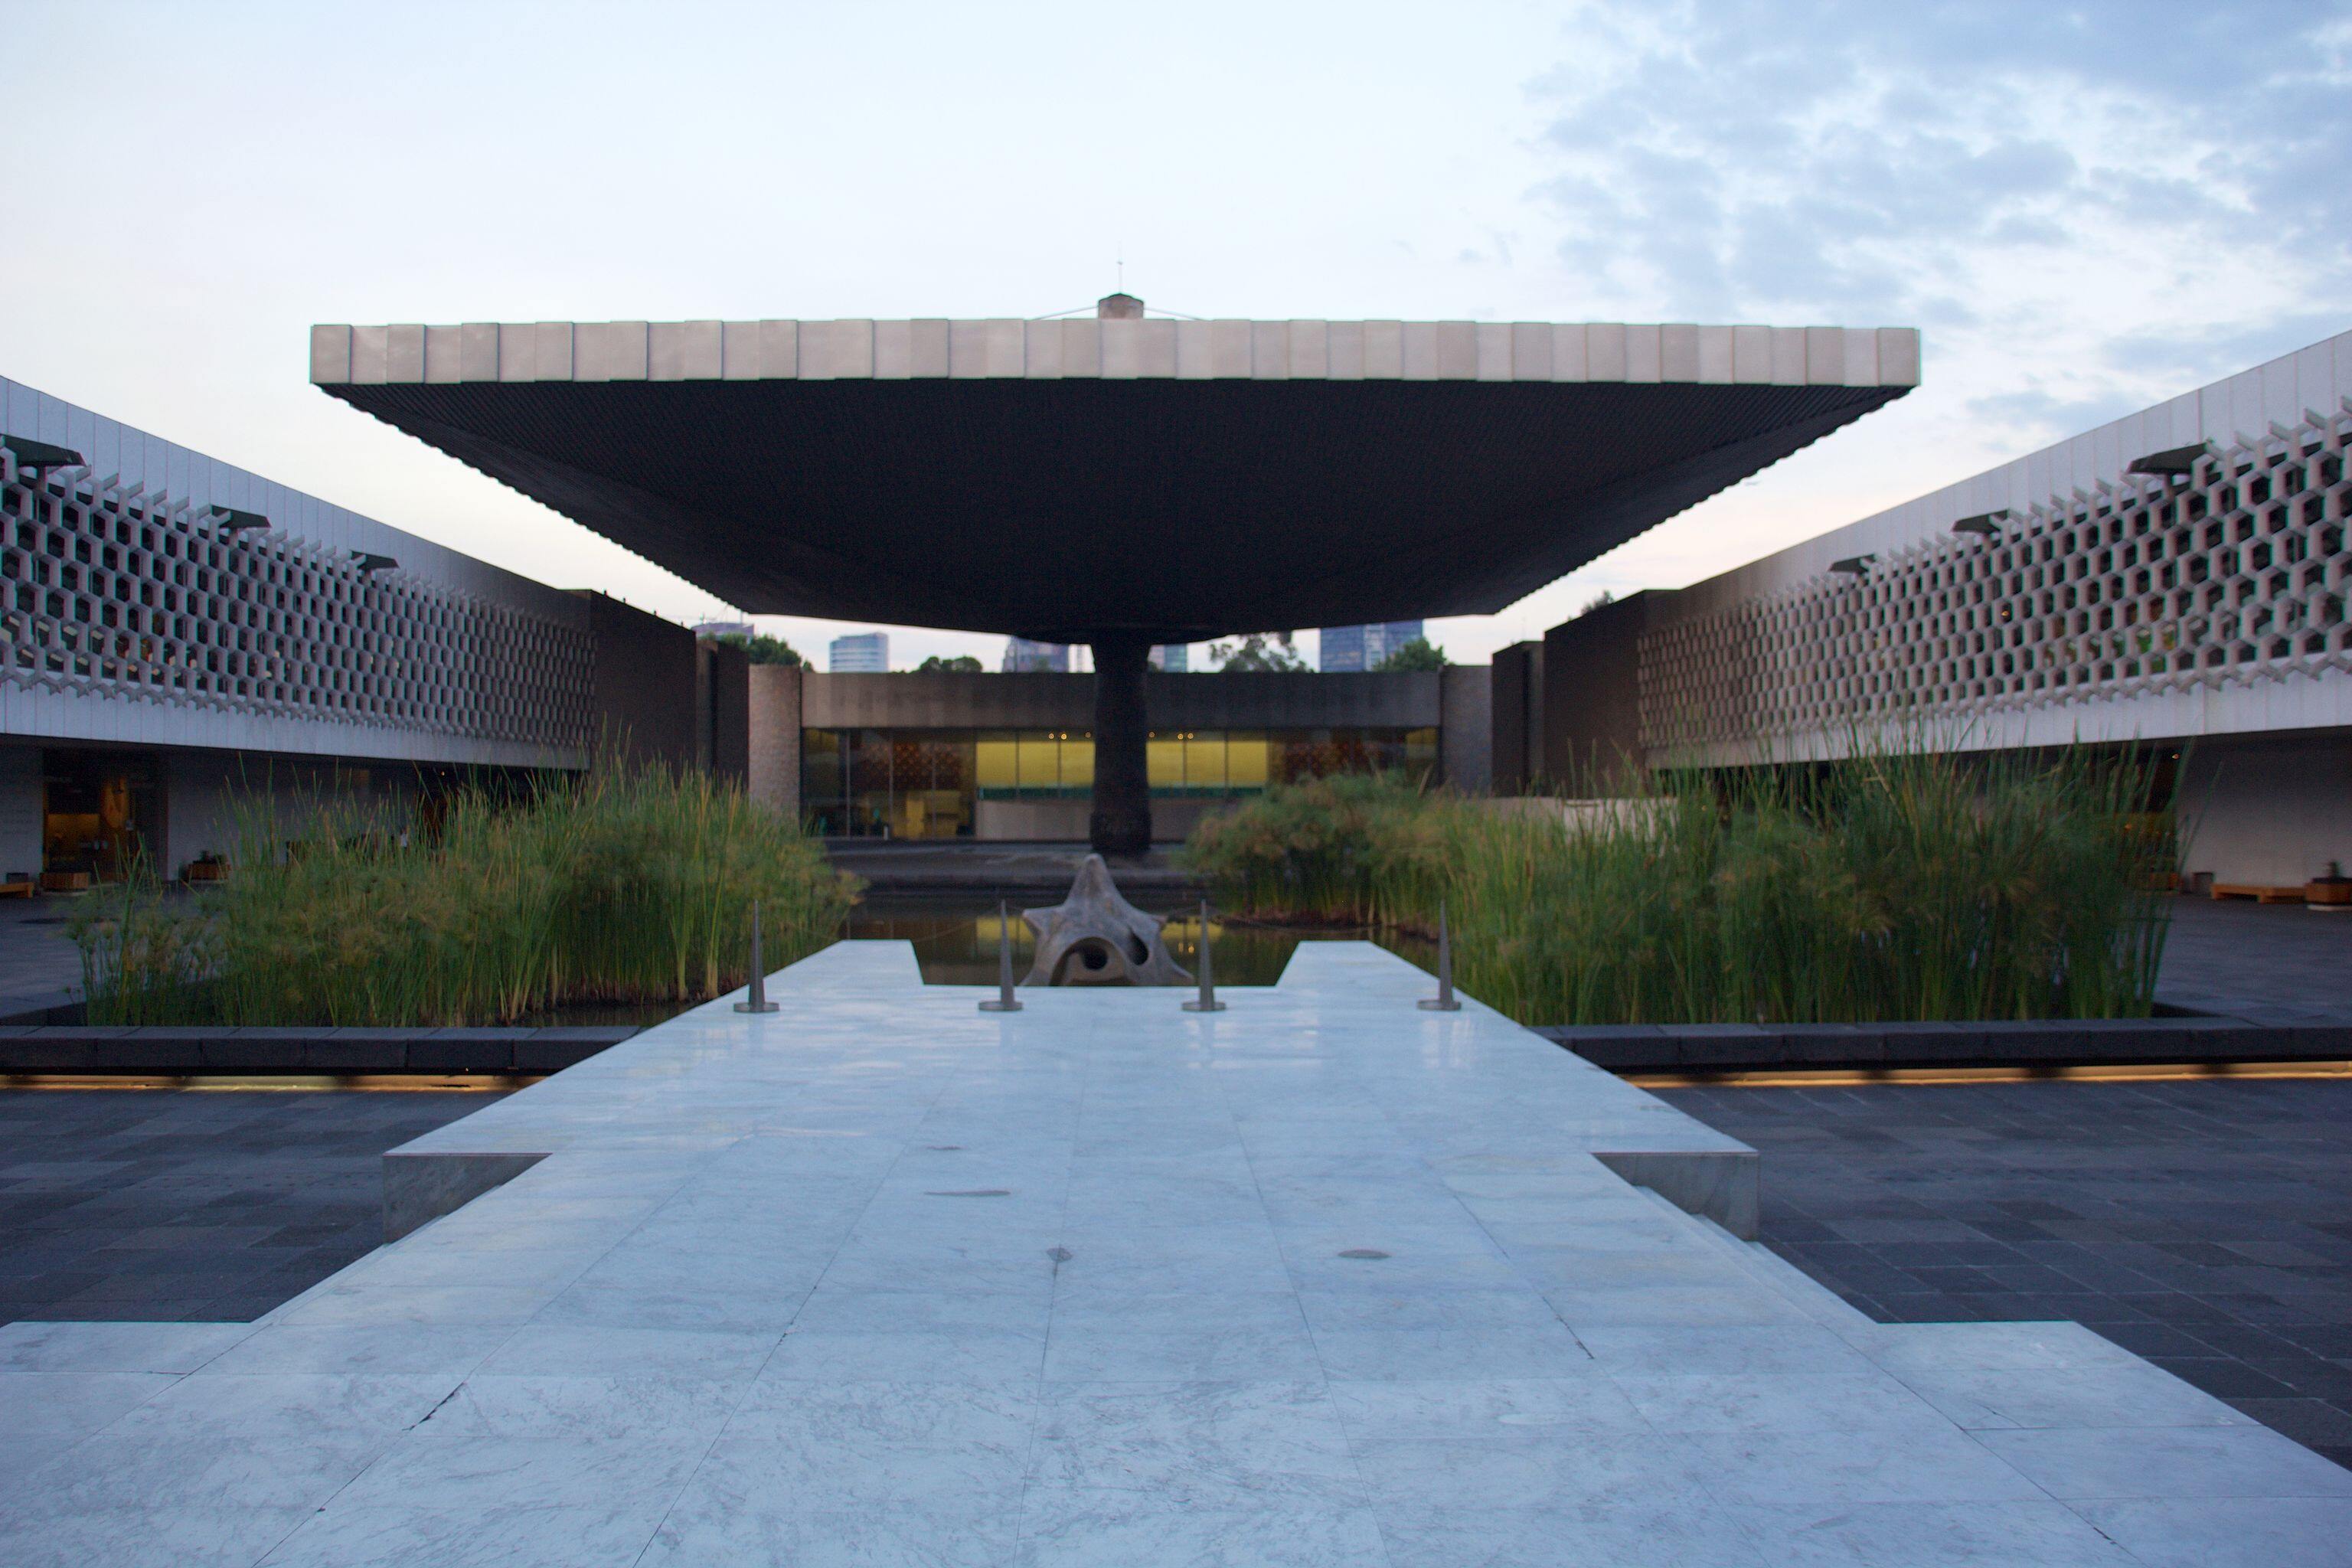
(1776,1274)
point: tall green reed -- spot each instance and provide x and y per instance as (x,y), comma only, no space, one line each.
(631,885)
(143,960)
(1350,849)
(1890,886)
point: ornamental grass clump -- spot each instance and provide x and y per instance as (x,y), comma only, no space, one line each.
(632,886)
(1882,887)
(1349,849)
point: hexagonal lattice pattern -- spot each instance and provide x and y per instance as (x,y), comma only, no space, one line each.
(2239,571)
(121,593)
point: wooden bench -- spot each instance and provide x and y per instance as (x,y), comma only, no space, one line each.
(2261,895)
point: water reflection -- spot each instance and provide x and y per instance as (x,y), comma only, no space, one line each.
(955,941)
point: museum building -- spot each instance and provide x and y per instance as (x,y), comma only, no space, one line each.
(2176,580)
(178,635)
(176,632)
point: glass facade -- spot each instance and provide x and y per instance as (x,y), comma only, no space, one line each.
(1344,648)
(101,813)
(1021,653)
(859,653)
(925,783)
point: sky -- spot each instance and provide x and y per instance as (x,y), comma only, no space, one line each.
(2084,208)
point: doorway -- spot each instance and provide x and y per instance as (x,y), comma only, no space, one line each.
(101,812)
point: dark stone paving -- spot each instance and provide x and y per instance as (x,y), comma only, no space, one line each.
(203,1205)
(2206,1225)
(2267,963)
(39,964)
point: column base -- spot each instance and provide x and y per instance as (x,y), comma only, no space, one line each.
(1119,833)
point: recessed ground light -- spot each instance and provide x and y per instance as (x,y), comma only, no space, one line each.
(1363,1252)
(976,1192)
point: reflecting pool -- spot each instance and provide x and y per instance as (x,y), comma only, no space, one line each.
(955,939)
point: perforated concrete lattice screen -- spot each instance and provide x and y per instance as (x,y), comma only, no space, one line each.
(128,594)
(2234,572)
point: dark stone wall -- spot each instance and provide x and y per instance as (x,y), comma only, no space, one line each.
(1465,746)
(1591,701)
(727,688)
(643,679)
(1516,688)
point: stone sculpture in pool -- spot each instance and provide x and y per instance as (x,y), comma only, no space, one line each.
(1094,937)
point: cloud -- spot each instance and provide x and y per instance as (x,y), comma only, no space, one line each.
(2032,408)
(2087,206)
(2116,194)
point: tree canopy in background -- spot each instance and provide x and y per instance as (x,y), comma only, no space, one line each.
(962,661)
(1418,654)
(1259,651)
(761,649)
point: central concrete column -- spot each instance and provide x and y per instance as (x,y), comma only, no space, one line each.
(1121,823)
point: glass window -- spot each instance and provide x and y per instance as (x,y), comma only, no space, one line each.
(996,764)
(865,780)
(1078,762)
(931,790)
(1163,763)
(822,800)
(1300,754)
(1421,753)
(924,783)
(1205,763)
(1041,762)
(1248,764)
(101,812)
(1296,754)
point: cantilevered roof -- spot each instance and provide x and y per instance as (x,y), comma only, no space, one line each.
(1062,479)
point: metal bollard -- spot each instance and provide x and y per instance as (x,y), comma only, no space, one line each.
(1004,1002)
(1207,1001)
(757,1002)
(1445,1001)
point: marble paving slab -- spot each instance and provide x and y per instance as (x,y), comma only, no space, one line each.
(1321,1279)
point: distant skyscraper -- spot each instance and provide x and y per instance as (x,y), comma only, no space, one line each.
(859,653)
(1175,658)
(1363,648)
(1021,653)
(1340,647)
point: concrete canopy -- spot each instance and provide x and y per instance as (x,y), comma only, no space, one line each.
(1152,480)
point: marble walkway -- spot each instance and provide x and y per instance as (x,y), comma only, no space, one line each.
(1323,1278)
